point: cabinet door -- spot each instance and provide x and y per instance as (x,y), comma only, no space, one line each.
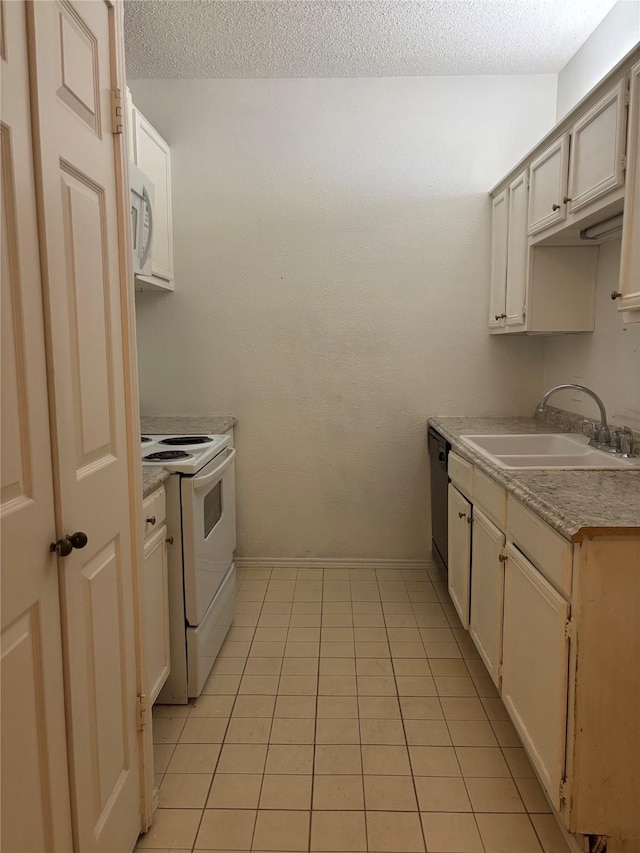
(156,600)
(630,260)
(153,157)
(459,510)
(499,231)
(548,186)
(517,252)
(487,588)
(597,149)
(535,667)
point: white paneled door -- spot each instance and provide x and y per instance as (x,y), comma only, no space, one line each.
(35,790)
(76,44)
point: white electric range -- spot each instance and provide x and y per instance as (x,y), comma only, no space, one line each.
(202,581)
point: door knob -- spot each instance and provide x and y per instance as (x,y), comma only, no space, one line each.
(63,547)
(566,199)
(462,515)
(555,207)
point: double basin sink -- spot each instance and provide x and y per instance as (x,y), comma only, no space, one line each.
(542,451)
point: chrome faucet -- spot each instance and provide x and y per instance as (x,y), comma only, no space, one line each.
(599,437)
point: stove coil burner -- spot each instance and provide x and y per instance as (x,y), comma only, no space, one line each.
(167,456)
(145,438)
(187,440)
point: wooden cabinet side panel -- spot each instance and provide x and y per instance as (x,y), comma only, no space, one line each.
(605,773)
(630,258)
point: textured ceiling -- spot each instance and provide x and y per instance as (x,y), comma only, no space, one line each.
(365,38)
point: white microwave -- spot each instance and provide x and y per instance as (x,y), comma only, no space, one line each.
(142,199)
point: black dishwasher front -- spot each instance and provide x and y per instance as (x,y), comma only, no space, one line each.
(439,449)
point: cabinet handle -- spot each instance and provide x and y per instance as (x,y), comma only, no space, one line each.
(555,207)
(169,540)
(615,294)
(151,520)
(502,558)
(566,199)
(500,316)
(462,515)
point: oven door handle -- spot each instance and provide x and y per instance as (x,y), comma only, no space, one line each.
(201,482)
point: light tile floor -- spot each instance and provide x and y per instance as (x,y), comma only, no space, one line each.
(348,711)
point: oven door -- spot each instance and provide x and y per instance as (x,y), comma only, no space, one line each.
(208,532)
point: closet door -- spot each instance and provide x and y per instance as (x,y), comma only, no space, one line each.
(75,45)
(35,786)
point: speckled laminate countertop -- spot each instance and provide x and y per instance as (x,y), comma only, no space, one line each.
(170,425)
(575,503)
(153,477)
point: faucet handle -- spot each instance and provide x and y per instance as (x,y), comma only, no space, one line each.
(590,429)
(614,440)
(627,441)
(604,436)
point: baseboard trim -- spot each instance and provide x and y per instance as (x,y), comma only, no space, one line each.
(331,563)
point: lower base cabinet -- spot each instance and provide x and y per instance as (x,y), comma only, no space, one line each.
(156,594)
(487,584)
(535,667)
(459,545)
(556,624)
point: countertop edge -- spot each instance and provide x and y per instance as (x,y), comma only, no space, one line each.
(152,478)
(567,527)
(187,424)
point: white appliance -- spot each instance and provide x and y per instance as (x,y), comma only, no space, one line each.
(142,199)
(201,518)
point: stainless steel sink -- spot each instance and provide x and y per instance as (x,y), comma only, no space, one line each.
(541,451)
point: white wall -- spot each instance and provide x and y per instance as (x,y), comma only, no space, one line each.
(607,360)
(331,256)
(606,46)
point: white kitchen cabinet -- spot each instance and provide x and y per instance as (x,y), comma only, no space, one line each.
(548,185)
(630,259)
(487,584)
(535,666)
(459,543)
(517,252)
(152,155)
(156,598)
(549,620)
(499,240)
(597,150)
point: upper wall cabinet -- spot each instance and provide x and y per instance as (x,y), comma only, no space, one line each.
(151,153)
(596,162)
(499,237)
(582,166)
(548,184)
(630,260)
(550,213)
